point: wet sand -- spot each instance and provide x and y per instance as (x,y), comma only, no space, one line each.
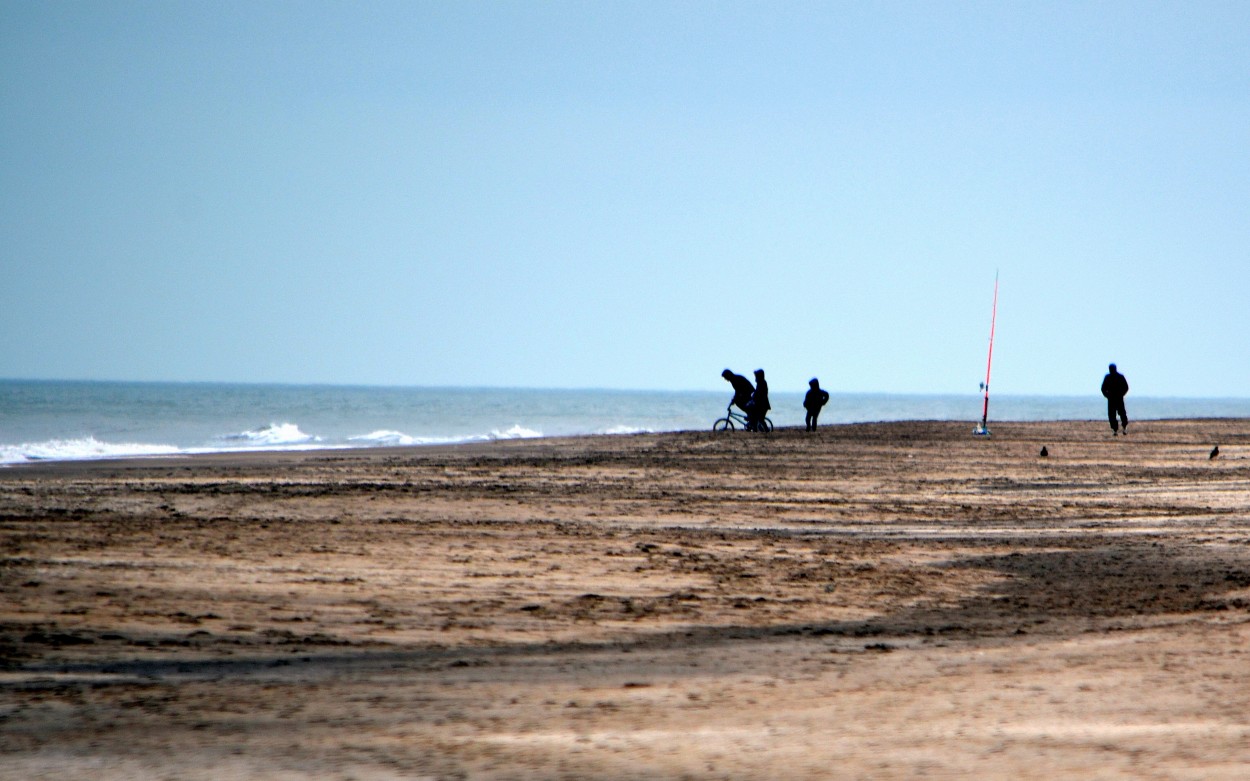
(871,601)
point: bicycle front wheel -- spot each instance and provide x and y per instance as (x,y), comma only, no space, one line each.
(724,424)
(766,425)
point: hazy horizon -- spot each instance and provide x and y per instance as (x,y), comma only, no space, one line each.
(975,394)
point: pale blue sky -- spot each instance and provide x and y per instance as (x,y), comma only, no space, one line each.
(627,195)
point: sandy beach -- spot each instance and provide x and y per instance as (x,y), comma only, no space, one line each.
(871,601)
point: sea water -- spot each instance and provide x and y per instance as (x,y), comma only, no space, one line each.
(44,420)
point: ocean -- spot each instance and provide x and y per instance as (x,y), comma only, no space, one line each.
(52,420)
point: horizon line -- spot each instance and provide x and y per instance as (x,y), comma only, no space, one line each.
(584,389)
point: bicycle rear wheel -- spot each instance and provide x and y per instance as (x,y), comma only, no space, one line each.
(766,425)
(724,424)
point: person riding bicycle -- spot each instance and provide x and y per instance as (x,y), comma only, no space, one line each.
(758,406)
(743,390)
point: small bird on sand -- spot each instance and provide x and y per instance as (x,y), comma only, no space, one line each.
(1044,452)
(1215,451)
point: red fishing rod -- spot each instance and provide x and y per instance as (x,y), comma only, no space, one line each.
(981,430)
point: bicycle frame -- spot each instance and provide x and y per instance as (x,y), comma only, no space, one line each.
(731,418)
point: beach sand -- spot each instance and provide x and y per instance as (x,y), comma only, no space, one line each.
(896,600)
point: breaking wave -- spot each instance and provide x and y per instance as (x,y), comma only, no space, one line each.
(79,449)
(516,432)
(388,438)
(612,430)
(272,435)
(384,438)
(276,436)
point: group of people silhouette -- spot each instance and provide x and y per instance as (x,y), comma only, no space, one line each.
(753,399)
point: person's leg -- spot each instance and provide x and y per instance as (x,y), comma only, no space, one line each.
(1123,416)
(1111,411)
(807,420)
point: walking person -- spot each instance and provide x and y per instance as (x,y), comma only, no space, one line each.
(813,401)
(1115,388)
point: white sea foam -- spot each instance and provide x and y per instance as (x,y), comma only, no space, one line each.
(78,449)
(516,432)
(385,438)
(389,438)
(625,430)
(275,434)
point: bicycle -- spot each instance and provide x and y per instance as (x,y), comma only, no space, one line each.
(731,418)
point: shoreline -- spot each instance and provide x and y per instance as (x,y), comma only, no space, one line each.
(296,452)
(886,599)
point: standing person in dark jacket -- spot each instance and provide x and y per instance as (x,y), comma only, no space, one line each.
(813,401)
(743,390)
(1115,388)
(759,405)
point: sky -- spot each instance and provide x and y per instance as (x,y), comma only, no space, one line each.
(628,194)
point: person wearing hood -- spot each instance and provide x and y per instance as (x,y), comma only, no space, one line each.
(813,401)
(759,405)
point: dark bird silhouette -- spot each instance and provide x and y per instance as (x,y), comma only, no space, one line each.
(1215,451)
(1044,452)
